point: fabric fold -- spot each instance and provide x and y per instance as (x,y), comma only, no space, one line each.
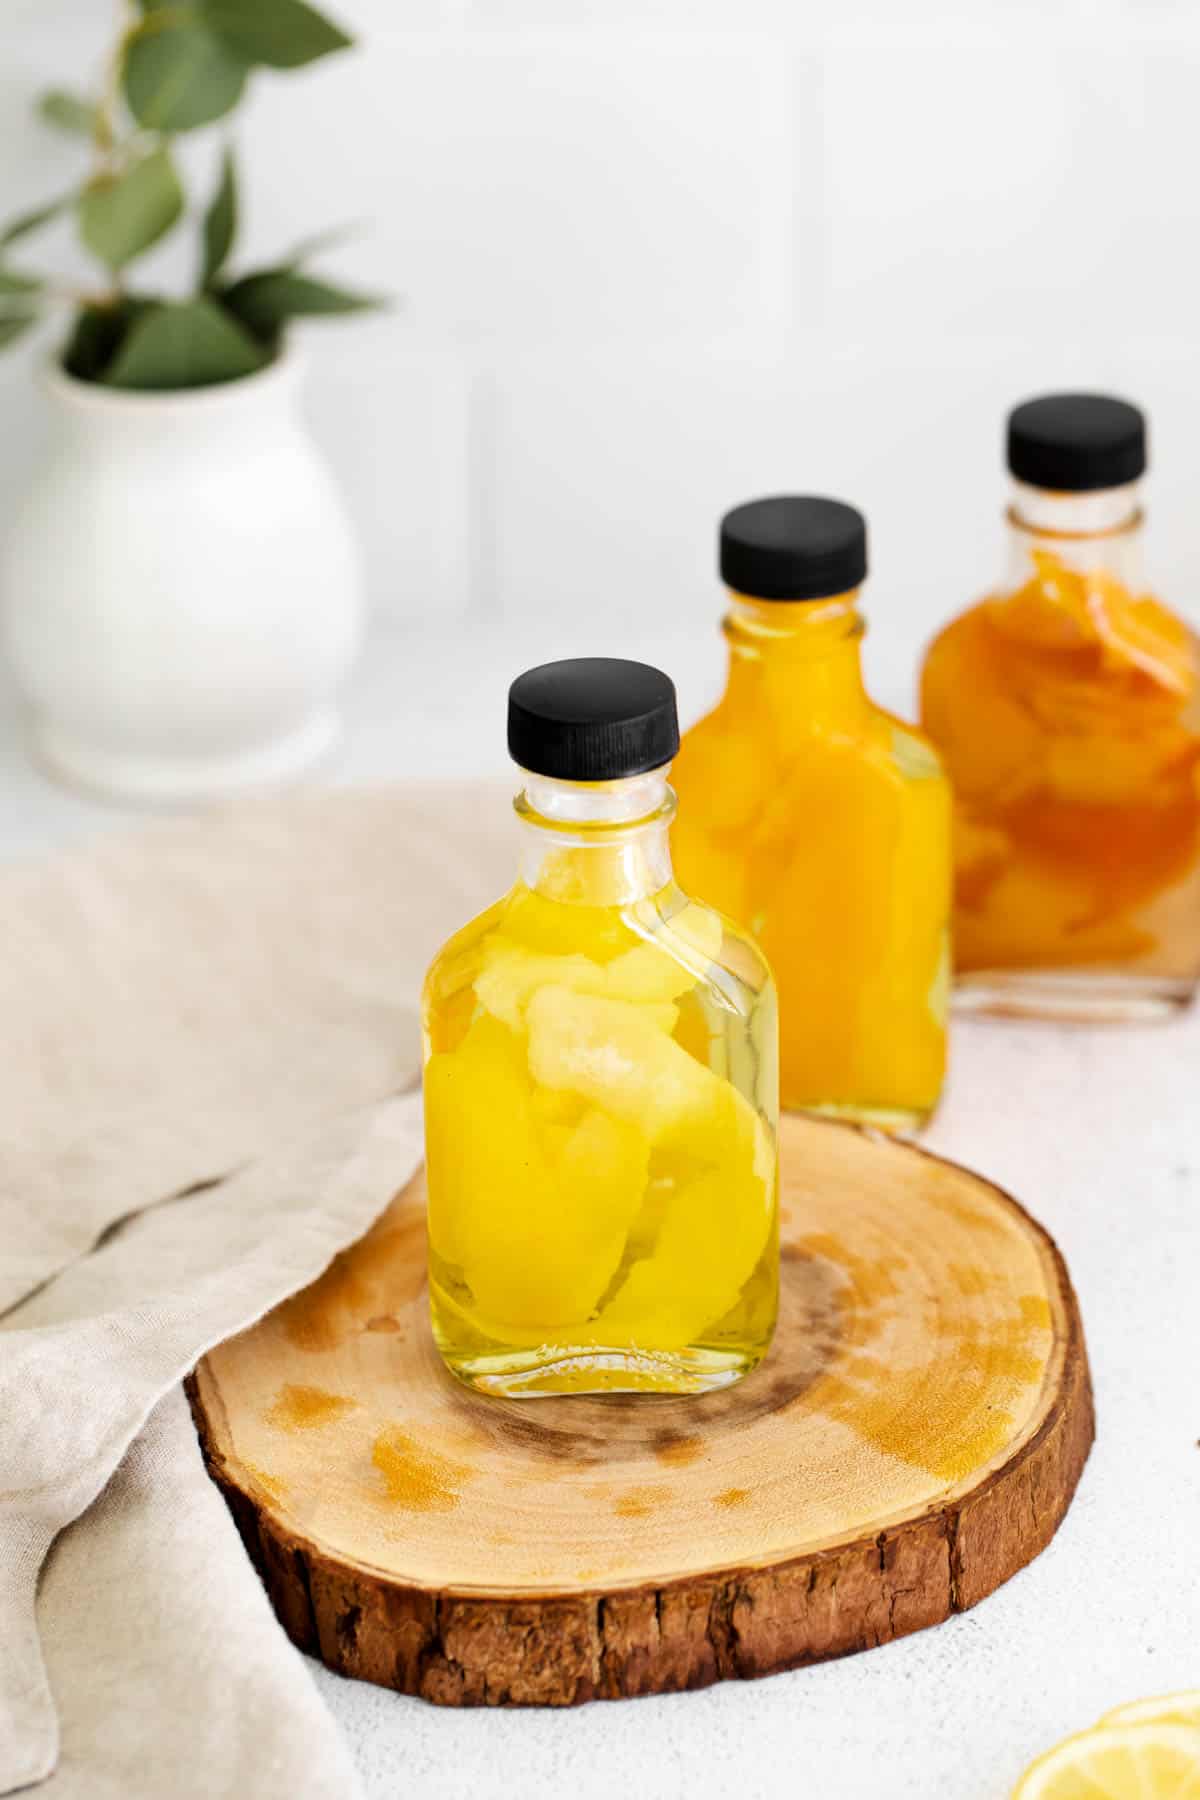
(149,1608)
(210,1030)
(86,1360)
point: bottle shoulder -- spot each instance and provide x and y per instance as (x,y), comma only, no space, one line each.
(729,753)
(1071,636)
(460,951)
(713,947)
(960,624)
(703,749)
(908,749)
(649,952)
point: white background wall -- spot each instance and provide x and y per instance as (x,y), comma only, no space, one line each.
(659,255)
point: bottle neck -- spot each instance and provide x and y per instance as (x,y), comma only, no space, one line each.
(1096,533)
(806,651)
(596,843)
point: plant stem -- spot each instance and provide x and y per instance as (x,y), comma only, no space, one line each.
(106,135)
(105,131)
(81,296)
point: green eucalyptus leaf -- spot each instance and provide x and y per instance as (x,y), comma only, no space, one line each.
(93,341)
(266,301)
(28,222)
(220,222)
(121,216)
(15,324)
(68,112)
(184,344)
(283,34)
(329,239)
(182,74)
(13,283)
(98,334)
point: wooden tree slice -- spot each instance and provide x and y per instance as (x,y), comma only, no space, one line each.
(912,1440)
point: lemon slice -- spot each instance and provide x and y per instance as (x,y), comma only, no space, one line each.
(1118,1762)
(1163,1709)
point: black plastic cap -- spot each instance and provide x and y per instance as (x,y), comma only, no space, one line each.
(592,718)
(1076,443)
(793,547)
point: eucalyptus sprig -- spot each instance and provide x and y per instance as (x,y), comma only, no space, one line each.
(174,68)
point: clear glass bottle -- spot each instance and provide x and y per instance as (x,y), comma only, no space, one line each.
(1067,708)
(824,822)
(601,1081)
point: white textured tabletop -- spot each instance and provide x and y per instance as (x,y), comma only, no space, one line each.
(1098,1132)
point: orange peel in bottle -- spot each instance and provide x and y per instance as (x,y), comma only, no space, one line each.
(1066,706)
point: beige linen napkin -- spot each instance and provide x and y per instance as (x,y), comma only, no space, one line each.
(234,993)
(175,1004)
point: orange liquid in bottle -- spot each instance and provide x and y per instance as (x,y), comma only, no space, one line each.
(823,823)
(1068,714)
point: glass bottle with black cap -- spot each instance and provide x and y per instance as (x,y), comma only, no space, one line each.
(1067,707)
(601,1080)
(822,821)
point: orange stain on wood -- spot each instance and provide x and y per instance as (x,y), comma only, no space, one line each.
(966,1210)
(954,1412)
(299,1408)
(418,1479)
(733,1496)
(382,1271)
(680,1451)
(968,1280)
(873,1278)
(638,1503)
(270,1484)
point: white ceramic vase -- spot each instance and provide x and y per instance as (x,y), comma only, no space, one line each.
(180,589)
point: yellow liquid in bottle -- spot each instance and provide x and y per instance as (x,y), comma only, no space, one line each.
(600,1095)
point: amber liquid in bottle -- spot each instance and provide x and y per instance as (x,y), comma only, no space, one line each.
(824,823)
(1066,706)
